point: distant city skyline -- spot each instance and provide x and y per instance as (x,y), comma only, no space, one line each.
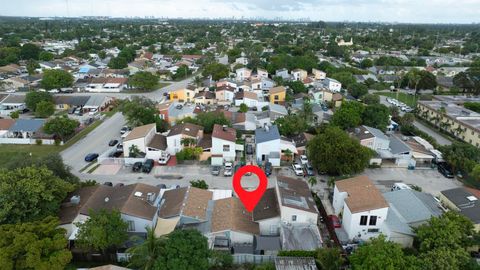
(402,11)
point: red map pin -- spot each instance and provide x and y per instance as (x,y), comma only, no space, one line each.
(250,198)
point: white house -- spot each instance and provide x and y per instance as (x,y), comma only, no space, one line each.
(262,73)
(332,85)
(243,74)
(283,73)
(242,61)
(248,98)
(225,94)
(318,74)
(138,205)
(182,131)
(139,136)
(223,144)
(296,202)
(299,74)
(267,213)
(267,141)
(360,206)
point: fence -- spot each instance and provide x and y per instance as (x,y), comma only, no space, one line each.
(251,258)
(26,141)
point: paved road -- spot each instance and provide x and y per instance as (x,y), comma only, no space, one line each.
(441,140)
(95,142)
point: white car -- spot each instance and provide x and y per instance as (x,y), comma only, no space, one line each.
(10,91)
(228,169)
(92,112)
(164,159)
(54,91)
(303,159)
(297,169)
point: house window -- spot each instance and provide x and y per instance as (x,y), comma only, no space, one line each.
(226,148)
(363,220)
(373,221)
(276,97)
(131,225)
(373,230)
(294,218)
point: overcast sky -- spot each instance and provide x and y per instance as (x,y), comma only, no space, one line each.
(427,11)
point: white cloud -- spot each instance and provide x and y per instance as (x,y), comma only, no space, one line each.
(429,11)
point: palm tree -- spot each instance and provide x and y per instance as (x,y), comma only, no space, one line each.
(197,81)
(187,142)
(145,255)
(288,154)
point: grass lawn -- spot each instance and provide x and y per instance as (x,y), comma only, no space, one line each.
(410,100)
(7,151)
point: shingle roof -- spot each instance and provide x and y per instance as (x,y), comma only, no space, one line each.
(16,99)
(71,100)
(362,194)
(466,201)
(224,133)
(185,129)
(295,193)
(262,135)
(140,132)
(397,146)
(267,207)
(230,214)
(27,125)
(187,201)
(159,142)
(5,124)
(278,89)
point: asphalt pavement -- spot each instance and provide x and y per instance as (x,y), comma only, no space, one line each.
(95,142)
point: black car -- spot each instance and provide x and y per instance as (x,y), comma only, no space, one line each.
(147,166)
(137,166)
(110,184)
(91,157)
(268,169)
(249,149)
(445,169)
(162,186)
(112,142)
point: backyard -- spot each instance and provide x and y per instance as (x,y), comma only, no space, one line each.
(410,100)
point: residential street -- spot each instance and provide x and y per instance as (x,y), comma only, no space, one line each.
(95,142)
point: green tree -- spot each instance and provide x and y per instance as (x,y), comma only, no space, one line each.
(14,115)
(358,90)
(291,125)
(34,245)
(33,98)
(139,111)
(345,77)
(144,80)
(62,126)
(30,193)
(145,255)
(182,73)
(444,259)
(379,254)
(221,260)
(366,63)
(118,63)
(104,230)
(334,152)
(44,109)
(349,115)
(199,184)
(31,66)
(29,51)
(55,78)
(312,181)
(376,116)
(243,108)
(330,258)
(476,173)
(45,56)
(371,99)
(207,120)
(461,156)
(185,249)
(216,70)
(474,106)
(297,87)
(133,151)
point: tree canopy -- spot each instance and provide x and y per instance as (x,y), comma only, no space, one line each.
(34,245)
(207,120)
(334,152)
(216,70)
(44,109)
(292,124)
(376,116)
(33,98)
(30,193)
(56,78)
(349,115)
(61,126)
(144,80)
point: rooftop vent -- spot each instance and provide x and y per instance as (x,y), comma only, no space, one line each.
(472,198)
(75,199)
(187,129)
(107,199)
(138,194)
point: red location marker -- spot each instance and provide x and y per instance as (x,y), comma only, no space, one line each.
(250,198)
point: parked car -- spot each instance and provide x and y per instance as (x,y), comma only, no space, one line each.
(124,129)
(71,110)
(303,159)
(119,185)
(335,221)
(268,168)
(148,166)
(228,169)
(137,166)
(112,142)
(119,147)
(309,169)
(92,112)
(110,184)
(249,149)
(162,186)
(445,170)
(54,91)
(215,170)
(164,159)
(91,157)
(297,169)
(117,154)
(400,186)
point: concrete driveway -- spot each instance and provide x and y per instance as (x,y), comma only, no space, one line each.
(95,142)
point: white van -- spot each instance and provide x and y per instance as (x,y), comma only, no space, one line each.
(400,186)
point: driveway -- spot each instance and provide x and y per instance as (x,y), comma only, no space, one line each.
(95,142)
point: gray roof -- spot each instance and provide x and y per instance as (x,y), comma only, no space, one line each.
(397,146)
(27,125)
(295,263)
(376,132)
(95,101)
(464,200)
(14,99)
(71,100)
(262,135)
(403,201)
(300,237)
(267,243)
(278,108)
(395,223)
